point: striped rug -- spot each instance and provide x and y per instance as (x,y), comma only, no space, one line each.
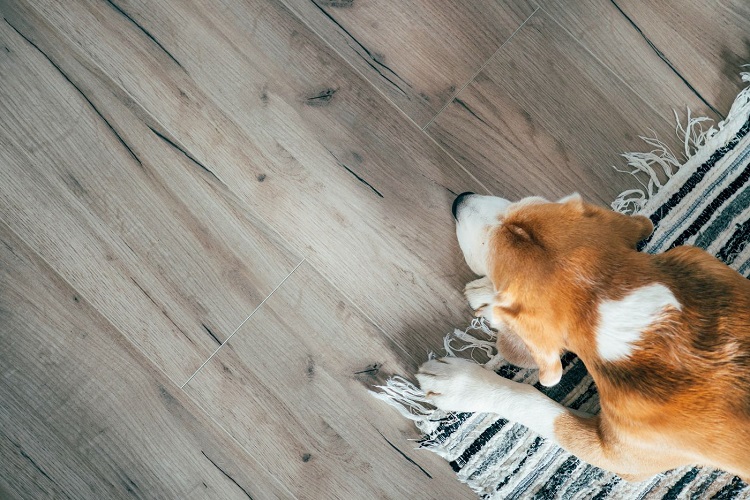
(705,203)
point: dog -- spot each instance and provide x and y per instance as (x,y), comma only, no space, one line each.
(665,337)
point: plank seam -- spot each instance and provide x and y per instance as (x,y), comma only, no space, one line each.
(243,322)
(474,76)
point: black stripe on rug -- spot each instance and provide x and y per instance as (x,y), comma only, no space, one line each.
(501,450)
(698,492)
(721,223)
(509,371)
(589,393)
(589,475)
(736,243)
(717,202)
(562,474)
(570,380)
(477,445)
(677,488)
(607,489)
(538,471)
(730,490)
(531,450)
(694,179)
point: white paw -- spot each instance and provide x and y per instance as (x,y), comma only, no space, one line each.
(456,384)
(481,295)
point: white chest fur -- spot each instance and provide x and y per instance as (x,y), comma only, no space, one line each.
(622,322)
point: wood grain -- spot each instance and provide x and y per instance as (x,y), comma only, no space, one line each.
(154,240)
(349,182)
(705,41)
(292,385)
(546,118)
(84,414)
(164,166)
(417,52)
(602,29)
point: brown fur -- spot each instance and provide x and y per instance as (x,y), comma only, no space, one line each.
(683,396)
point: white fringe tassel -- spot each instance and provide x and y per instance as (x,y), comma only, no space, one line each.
(411,402)
(405,397)
(654,168)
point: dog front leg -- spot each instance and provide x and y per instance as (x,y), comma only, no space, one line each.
(480,294)
(482,297)
(460,385)
(457,384)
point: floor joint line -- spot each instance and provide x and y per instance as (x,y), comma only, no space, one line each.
(241,324)
(473,77)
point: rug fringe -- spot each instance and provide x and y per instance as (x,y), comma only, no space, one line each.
(405,397)
(412,403)
(653,169)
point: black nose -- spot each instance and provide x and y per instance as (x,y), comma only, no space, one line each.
(457,202)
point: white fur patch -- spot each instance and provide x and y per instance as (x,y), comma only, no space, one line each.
(622,322)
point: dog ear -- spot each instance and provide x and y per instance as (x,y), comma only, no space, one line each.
(635,228)
(518,232)
(573,200)
(521,233)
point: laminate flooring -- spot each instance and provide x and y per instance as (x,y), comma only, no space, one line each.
(223,223)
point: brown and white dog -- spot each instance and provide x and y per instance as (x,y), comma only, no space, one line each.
(666,337)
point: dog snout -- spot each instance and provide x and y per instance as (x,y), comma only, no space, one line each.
(457,203)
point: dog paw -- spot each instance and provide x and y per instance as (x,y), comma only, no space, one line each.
(481,294)
(456,384)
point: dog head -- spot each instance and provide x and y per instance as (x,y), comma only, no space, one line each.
(543,258)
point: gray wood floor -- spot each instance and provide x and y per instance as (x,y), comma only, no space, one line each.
(221,225)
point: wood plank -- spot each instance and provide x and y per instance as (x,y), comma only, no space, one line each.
(152,239)
(417,52)
(292,385)
(605,32)
(706,41)
(546,118)
(84,414)
(349,182)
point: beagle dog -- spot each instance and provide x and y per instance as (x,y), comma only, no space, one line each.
(665,337)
